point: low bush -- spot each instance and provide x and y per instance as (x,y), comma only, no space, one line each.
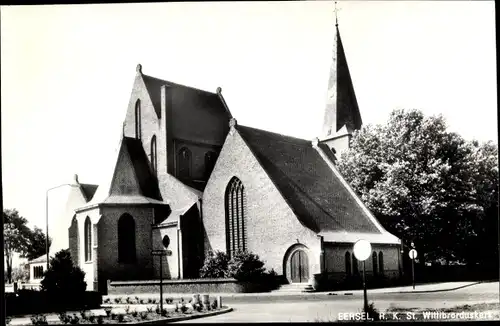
(246,267)
(144,315)
(100,320)
(39,320)
(215,265)
(371,312)
(184,308)
(74,320)
(64,318)
(214,304)
(108,311)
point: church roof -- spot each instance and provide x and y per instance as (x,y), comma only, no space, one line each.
(88,190)
(316,194)
(341,105)
(153,85)
(148,183)
(132,181)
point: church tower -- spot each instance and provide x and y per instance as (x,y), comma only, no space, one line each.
(342,115)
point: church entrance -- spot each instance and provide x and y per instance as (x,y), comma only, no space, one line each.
(299,267)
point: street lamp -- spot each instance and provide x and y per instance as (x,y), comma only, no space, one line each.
(362,250)
(47,216)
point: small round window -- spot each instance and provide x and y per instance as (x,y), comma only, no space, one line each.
(166,241)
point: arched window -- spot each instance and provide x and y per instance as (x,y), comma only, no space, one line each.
(374,263)
(126,239)
(348,270)
(355,265)
(184,163)
(381,263)
(138,131)
(235,202)
(210,158)
(88,239)
(154,163)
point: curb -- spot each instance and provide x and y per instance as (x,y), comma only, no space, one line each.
(182,318)
(441,290)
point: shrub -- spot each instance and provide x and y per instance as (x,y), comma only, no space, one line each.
(8,320)
(117,300)
(144,315)
(184,308)
(63,280)
(164,313)
(108,311)
(121,318)
(142,301)
(74,320)
(91,318)
(198,307)
(100,320)
(157,310)
(39,320)
(64,318)
(127,309)
(170,300)
(128,300)
(149,309)
(84,315)
(135,313)
(215,265)
(371,312)
(245,266)
(214,304)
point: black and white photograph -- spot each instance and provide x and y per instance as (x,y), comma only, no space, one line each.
(244,162)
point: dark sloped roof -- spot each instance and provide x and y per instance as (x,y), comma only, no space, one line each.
(154,84)
(88,190)
(311,188)
(147,181)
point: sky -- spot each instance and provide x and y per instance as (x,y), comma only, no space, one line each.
(68,70)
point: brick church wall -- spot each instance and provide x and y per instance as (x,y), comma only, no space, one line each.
(335,259)
(272,227)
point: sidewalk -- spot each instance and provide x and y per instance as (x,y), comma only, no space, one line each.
(423,288)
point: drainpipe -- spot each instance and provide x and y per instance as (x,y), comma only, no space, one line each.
(178,252)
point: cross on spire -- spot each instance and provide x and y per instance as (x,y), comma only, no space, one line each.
(335,11)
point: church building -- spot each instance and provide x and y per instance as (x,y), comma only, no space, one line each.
(188,173)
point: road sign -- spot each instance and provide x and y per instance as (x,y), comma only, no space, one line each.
(413,254)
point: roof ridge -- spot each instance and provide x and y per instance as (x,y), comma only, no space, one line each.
(169,83)
(308,142)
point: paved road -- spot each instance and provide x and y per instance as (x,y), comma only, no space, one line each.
(321,307)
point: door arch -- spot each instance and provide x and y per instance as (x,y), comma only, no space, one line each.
(299,266)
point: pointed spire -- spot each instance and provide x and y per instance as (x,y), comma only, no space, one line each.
(336,17)
(341,105)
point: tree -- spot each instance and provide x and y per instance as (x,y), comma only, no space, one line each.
(19,238)
(21,273)
(425,184)
(63,279)
(16,234)
(37,244)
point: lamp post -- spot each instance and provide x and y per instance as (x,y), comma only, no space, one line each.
(362,250)
(47,217)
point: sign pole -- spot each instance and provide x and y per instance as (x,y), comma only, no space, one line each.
(161,285)
(364,288)
(413,272)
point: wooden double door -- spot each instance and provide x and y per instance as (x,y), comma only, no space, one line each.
(299,267)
